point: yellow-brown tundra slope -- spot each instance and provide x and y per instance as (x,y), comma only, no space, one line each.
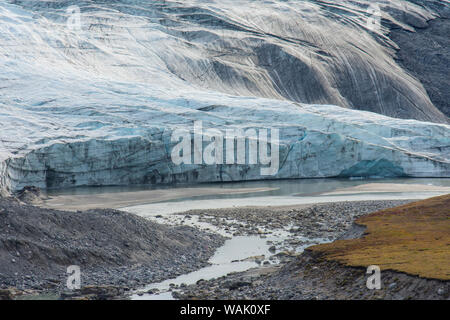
(413,238)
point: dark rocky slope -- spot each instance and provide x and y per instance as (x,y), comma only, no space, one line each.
(316,52)
(111,247)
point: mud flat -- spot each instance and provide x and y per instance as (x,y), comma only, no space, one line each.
(145,201)
(308,277)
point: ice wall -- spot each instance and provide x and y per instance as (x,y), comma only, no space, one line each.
(97,106)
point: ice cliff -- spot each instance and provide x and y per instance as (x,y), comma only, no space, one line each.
(98,105)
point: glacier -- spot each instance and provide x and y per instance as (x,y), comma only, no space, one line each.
(98,105)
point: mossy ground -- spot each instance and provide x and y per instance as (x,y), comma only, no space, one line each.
(413,238)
